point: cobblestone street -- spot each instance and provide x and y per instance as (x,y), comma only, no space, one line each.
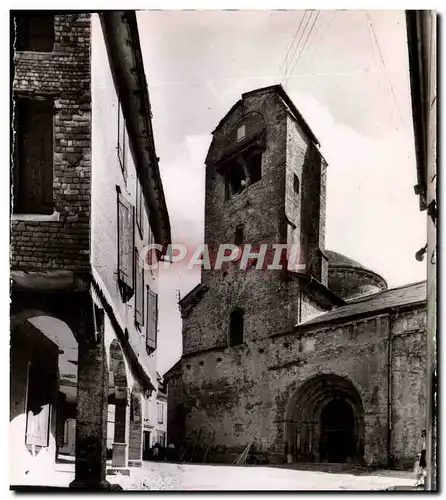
(192,477)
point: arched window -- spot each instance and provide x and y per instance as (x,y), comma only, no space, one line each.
(236,327)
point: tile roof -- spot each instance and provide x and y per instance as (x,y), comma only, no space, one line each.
(405,295)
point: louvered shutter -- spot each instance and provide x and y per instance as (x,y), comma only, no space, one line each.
(152,319)
(125,242)
(35,156)
(139,291)
(38,409)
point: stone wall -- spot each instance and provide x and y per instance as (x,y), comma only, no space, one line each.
(63,75)
(239,394)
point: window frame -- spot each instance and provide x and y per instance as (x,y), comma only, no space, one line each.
(152,298)
(23,106)
(160,411)
(25,41)
(126,262)
(241,313)
(139,209)
(296,183)
(139,292)
(239,234)
(121,145)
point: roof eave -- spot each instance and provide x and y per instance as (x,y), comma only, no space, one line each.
(125,57)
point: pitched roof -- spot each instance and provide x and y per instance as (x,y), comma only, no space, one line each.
(413,293)
(288,102)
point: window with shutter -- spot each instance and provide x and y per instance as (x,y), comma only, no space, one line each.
(139,209)
(33,157)
(152,320)
(125,247)
(139,291)
(38,409)
(121,146)
(35,32)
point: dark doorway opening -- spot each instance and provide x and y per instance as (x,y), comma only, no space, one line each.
(337,441)
(146,448)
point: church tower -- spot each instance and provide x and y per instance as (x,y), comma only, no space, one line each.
(266,181)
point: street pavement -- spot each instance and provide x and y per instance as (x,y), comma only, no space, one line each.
(195,477)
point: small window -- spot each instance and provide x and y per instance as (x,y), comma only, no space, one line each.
(238,240)
(33,156)
(160,413)
(161,438)
(296,184)
(35,32)
(255,168)
(241,133)
(236,327)
(121,142)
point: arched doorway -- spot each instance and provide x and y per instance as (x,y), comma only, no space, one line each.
(325,421)
(43,388)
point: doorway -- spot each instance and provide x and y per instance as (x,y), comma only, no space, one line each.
(337,439)
(146,446)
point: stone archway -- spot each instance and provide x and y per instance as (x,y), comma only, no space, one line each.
(43,376)
(121,401)
(325,421)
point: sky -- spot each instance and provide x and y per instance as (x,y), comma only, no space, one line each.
(347,73)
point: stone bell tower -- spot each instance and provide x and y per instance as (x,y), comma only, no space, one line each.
(266,181)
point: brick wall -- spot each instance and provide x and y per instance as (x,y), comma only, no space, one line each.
(63,75)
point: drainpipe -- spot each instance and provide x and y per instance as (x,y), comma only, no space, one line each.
(392,317)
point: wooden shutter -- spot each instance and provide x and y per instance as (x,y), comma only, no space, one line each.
(139,209)
(34,174)
(139,291)
(38,409)
(125,242)
(152,319)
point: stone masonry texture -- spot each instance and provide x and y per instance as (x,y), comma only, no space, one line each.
(63,75)
(230,396)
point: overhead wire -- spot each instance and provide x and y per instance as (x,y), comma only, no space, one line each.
(322,38)
(303,47)
(284,77)
(385,69)
(285,59)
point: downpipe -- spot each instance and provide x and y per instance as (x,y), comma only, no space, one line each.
(392,318)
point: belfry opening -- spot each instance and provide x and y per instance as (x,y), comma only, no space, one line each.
(325,422)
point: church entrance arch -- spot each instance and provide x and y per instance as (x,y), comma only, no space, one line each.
(325,421)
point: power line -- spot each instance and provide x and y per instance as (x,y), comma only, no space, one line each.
(384,90)
(298,43)
(303,47)
(385,70)
(285,60)
(324,33)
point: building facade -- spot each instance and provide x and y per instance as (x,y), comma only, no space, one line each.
(86,198)
(316,361)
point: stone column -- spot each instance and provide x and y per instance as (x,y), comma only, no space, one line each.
(136,432)
(122,410)
(91,416)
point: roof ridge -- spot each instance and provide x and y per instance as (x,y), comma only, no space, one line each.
(373,295)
